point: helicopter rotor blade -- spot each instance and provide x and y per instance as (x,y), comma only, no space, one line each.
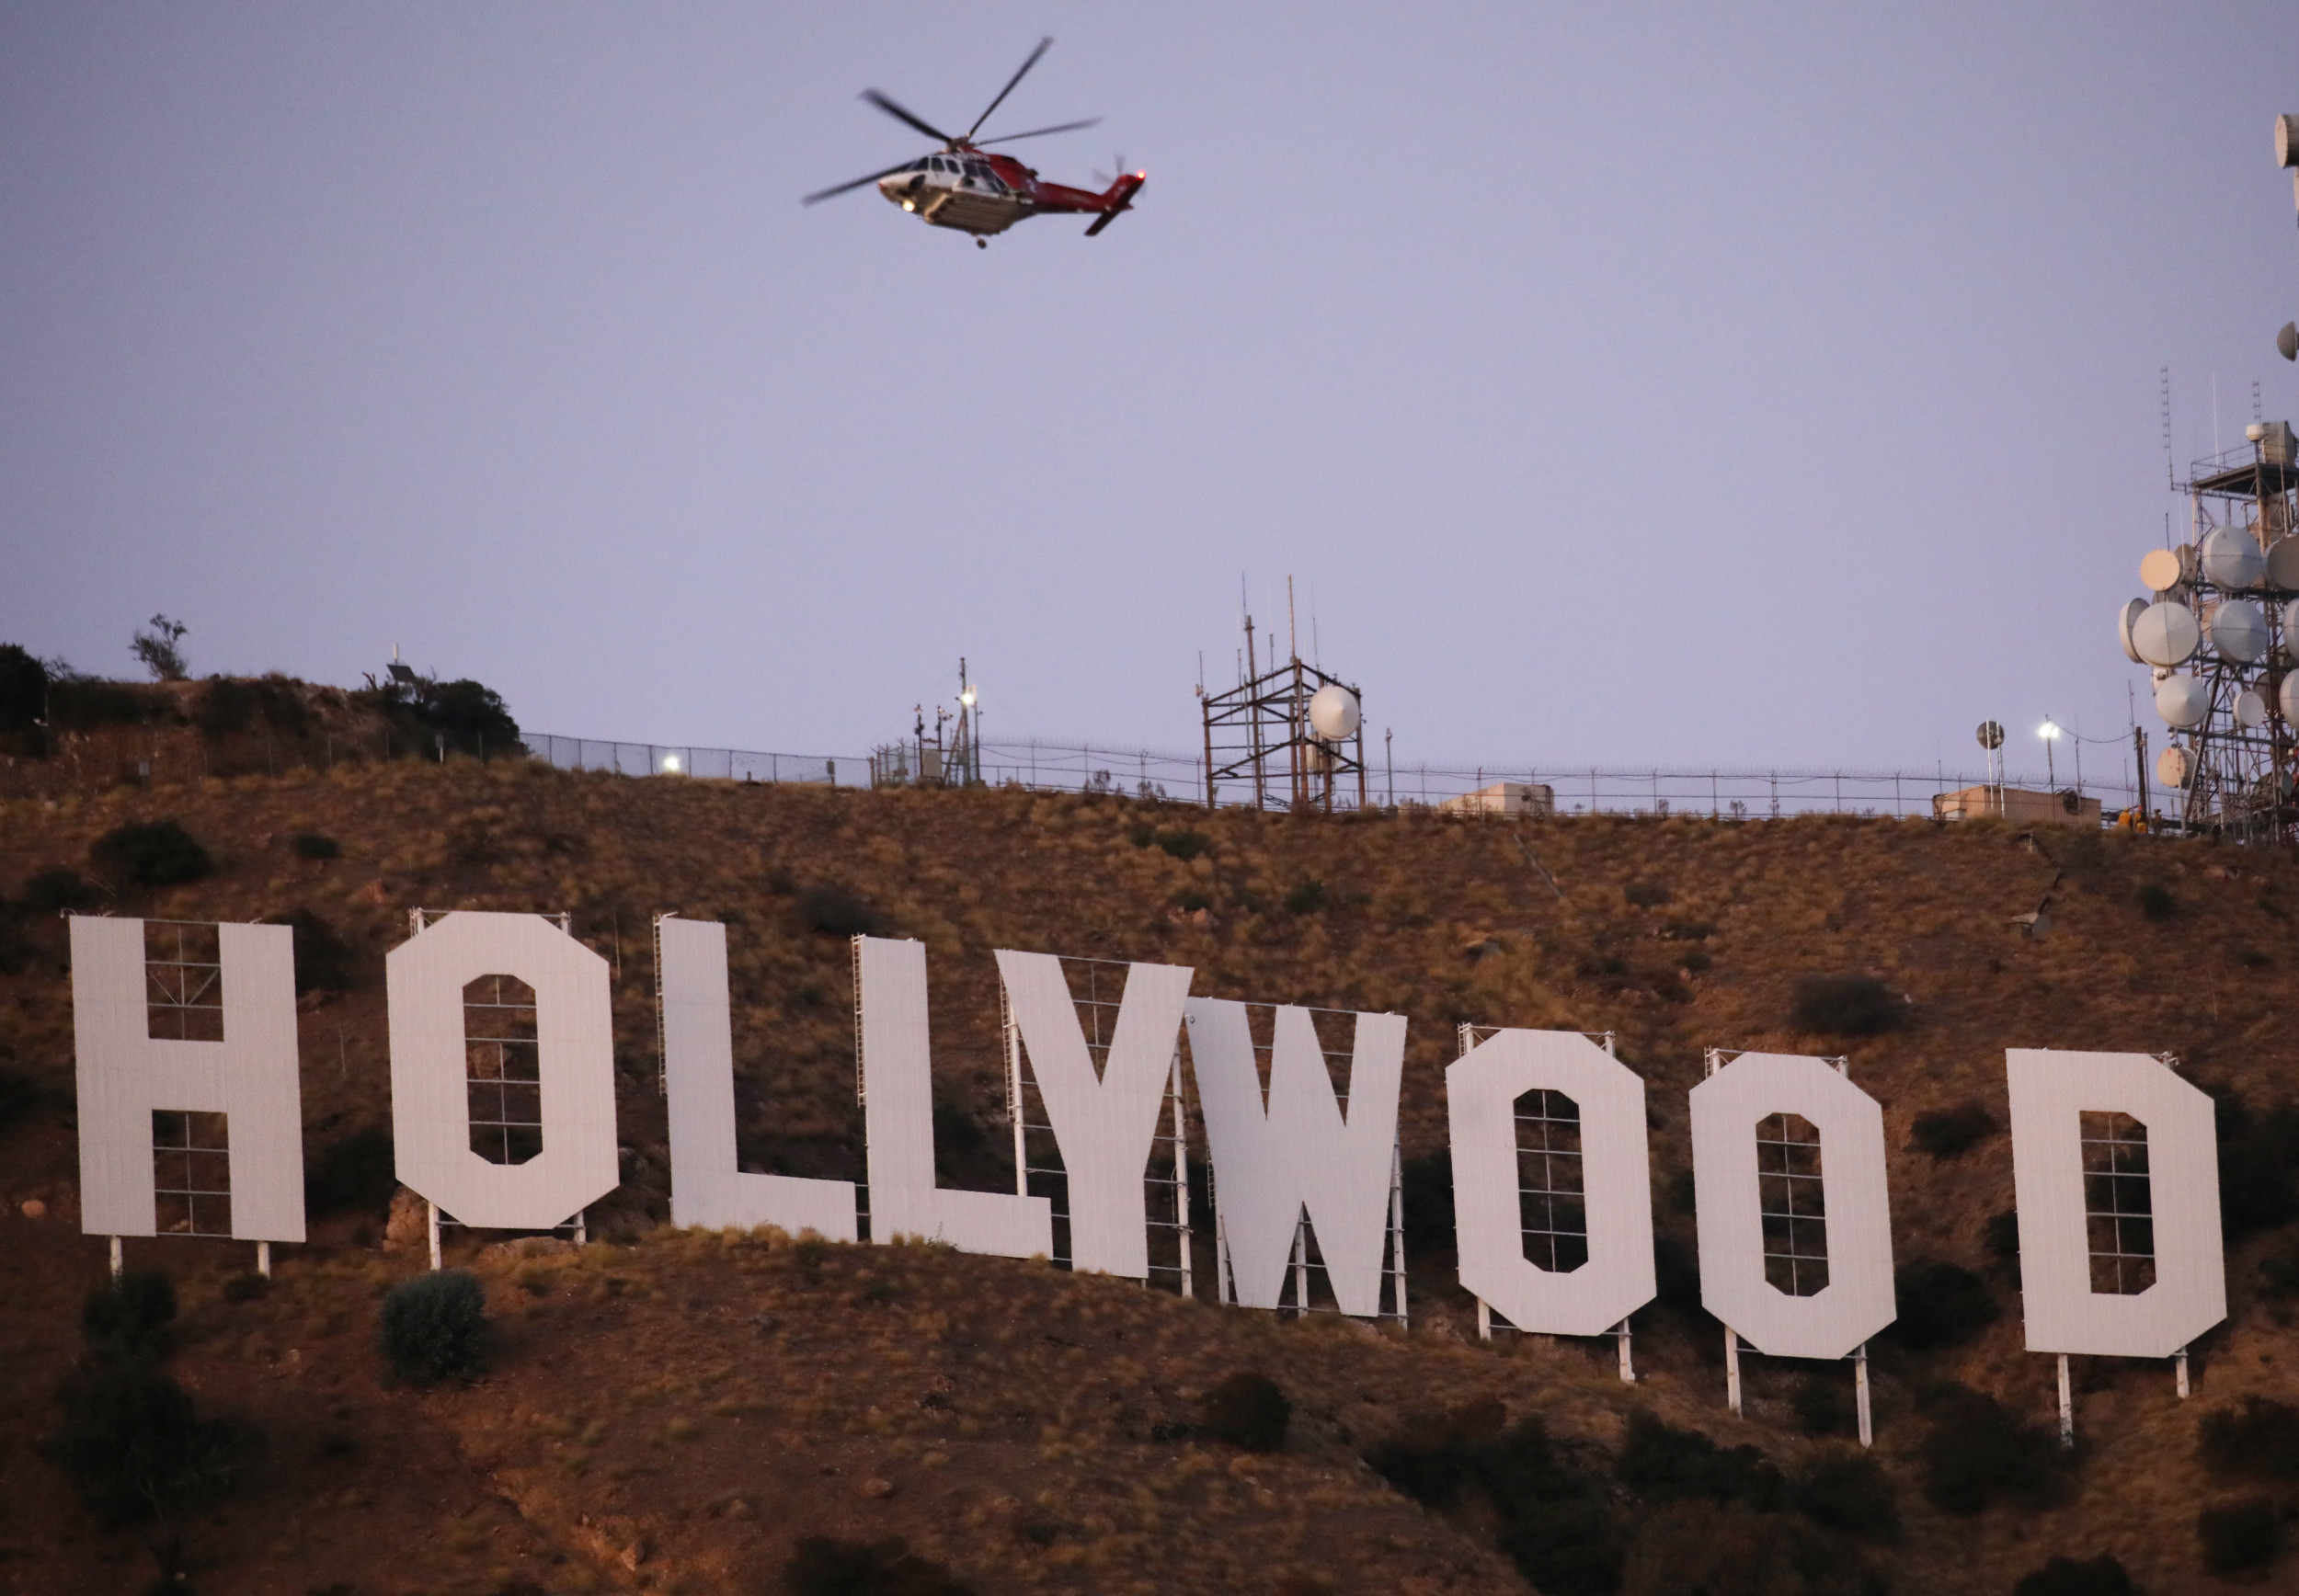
(900,114)
(1039,133)
(1043,46)
(832,193)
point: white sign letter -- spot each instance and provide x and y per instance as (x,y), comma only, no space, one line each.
(1757,1162)
(571,1060)
(1609,1180)
(706,1188)
(1271,1162)
(2115,1169)
(898,1119)
(1105,1125)
(126,1074)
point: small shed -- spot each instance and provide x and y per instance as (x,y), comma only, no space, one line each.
(1506,798)
(2018,806)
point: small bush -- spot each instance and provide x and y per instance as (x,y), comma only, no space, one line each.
(1646,895)
(1824,1406)
(23,697)
(1428,1187)
(2279,1271)
(1246,1411)
(1951,1133)
(1555,1523)
(20,1095)
(2155,901)
(1977,1453)
(1435,1455)
(151,853)
(1844,1006)
(2239,1536)
(835,911)
(2100,1576)
(1184,845)
(2258,1166)
(1306,896)
(2259,1438)
(826,1565)
(323,959)
(127,1320)
(2000,1235)
(1942,1305)
(1664,1464)
(136,1448)
(434,1326)
(1847,1491)
(359,1171)
(246,1288)
(315,844)
(57,888)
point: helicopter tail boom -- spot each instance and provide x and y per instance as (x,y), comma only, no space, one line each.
(1116,199)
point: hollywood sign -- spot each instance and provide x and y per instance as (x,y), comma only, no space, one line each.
(1291,1158)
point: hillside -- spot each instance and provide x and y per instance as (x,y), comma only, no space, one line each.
(673,1411)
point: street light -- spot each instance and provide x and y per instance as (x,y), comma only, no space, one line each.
(2050,732)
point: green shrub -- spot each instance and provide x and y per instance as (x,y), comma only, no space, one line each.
(23,697)
(1844,1006)
(2239,1536)
(826,1565)
(2279,1275)
(126,1319)
(323,959)
(1942,1305)
(56,888)
(1306,896)
(1950,1132)
(246,1288)
(2259,1164)
(2260,1438)
(315,844)
(1428,1186)
(1435,1455)
(20,1095)
(151,853)
(434,1326)
(2100,1576)
(1823,1404)
(1646,895)
(1184,845)
(2155,901)
(1664,1464)
(1976,1454)
(357,1172)
(1246,1411)
(1556,1524)
(136,1448)
(1847,1490)
(835,911)
(84,703)
(2000,1235)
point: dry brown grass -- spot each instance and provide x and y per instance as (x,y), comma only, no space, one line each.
(800,1360)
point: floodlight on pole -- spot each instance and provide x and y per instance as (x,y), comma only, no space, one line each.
(670,764)
(2050,732)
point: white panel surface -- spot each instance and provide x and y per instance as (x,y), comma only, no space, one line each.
(1104,1126)
(1271,1161)
(430,1112)
(2050,1092)
(1480,1093)
(1858,1299)
(706,1186)
(125,1073)
(898,1117)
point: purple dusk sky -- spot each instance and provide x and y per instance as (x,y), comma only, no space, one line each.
(1675,386)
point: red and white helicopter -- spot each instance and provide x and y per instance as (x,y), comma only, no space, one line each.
(963,187)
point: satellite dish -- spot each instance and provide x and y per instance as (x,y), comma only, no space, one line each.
(2183,700)
(2287,341)
(2175,766)
(2164,634)
(2289,698)
(2190,565)
(2124,617)
(2291,631)
(1333,713)
(1990,736)
(2159,570)
(2251,710)
(2239,629)
(2283,565)
(2233,558)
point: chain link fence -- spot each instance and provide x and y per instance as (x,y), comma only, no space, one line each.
(1082,766)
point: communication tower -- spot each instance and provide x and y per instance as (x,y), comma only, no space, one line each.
(1292,733)
(951,755)
(2221,637)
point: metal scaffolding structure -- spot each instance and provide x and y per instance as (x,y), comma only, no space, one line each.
(1259,733)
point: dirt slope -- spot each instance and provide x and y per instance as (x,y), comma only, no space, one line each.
(674,1412)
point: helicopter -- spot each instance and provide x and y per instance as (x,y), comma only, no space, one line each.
(962,185)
